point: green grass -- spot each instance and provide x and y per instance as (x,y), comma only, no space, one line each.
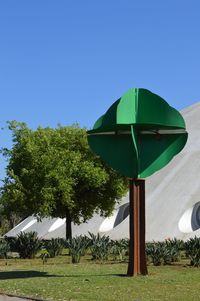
(59,280)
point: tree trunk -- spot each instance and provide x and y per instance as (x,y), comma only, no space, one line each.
(11,220)
(68,224)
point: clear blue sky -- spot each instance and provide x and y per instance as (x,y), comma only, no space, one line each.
(66,61)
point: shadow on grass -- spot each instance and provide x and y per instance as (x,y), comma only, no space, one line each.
(94,275)
(31,274)
(23,274)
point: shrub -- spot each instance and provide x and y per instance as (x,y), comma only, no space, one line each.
(119,249)
(77,247)
(154,251)
(163,252)
(169,254)
(63,242)
(26,244)
(44,255)
(192,249)
(85,241)
(4,248)
(54,247)
(99,246)
(175,246)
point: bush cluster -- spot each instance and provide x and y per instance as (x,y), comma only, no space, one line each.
(26,244)
(101,248)
(165,252)
(192,249)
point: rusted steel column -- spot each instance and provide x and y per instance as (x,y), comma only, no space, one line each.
(137,257)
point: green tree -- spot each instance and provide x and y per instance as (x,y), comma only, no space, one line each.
(52,172)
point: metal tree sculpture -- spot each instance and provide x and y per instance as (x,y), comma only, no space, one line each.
(138,135)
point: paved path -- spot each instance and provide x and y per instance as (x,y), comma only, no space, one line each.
(9,298)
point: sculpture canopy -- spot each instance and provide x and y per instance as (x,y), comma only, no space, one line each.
(139,134)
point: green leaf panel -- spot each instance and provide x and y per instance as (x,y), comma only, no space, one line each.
(119,154)
(156,152)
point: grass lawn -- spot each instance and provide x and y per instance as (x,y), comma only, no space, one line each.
(59,280)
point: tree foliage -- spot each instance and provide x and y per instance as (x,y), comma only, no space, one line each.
(53,172)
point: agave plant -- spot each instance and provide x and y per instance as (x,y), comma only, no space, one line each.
(77,247)
(27,244)
(163,252)
(4,248)
(192,249)
(175,246)
(169,254)
(99,247)
(154,251)
(54,247)
(119,249)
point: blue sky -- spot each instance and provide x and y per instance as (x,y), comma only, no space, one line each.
(66,61)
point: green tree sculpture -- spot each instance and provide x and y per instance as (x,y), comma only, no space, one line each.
(138,135)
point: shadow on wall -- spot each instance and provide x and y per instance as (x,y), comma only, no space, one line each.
(115,219)
(123,212)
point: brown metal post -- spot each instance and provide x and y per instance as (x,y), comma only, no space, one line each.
(137,257)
